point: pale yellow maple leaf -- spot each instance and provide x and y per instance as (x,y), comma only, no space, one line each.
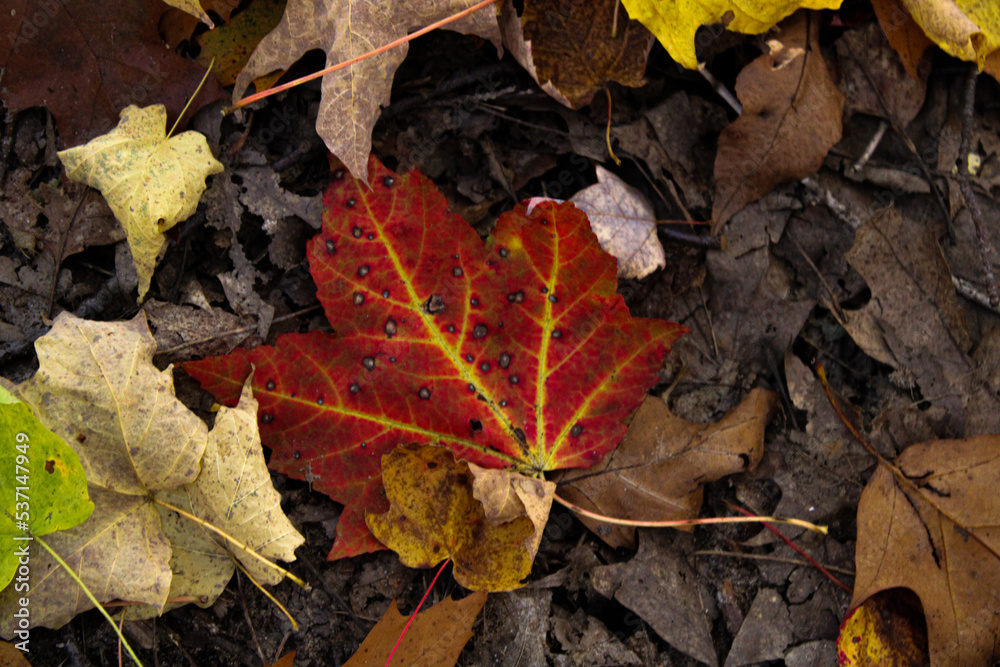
(150,181)
(98,390)
(675,22)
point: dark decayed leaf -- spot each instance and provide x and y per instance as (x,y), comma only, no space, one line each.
(514,353)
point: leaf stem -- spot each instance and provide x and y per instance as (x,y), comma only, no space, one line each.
(347,63)
(678,523)
(90,596)
(190,99)
(233,540)
(414,614)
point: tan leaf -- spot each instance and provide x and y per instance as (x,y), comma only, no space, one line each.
(192,7)
(791,118)
(625,224)
(658,471)
(435,639)
(572,50)
(151,182)
(353,97)
(930,524)
(507,495)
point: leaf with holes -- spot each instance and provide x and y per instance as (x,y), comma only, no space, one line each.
(514,353)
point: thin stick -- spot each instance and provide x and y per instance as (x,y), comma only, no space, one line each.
(876,139)
(679,523)
(347,63)
(971,203)
(414,614)
(90,596)
(766,557)
(234,332)
(247,550)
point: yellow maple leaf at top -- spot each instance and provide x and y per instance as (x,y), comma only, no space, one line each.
(151,182)
(675,22)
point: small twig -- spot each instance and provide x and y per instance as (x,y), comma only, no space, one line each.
(833,297)
(246,615)
(414,614)
(711,327)
(972,293)
(769,558)
(876,139)
(971,203)
(720,89)
(236,332)
(687,238)
(62,249)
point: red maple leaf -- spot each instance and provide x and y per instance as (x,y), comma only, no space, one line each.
(517,352)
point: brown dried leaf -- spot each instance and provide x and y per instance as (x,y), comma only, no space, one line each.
(930,524)
(354,96)
(658,471)
(435,639)
(569,49)
(791,118)
(85,65)
(914,321)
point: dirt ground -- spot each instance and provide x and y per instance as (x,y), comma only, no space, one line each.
(760,313)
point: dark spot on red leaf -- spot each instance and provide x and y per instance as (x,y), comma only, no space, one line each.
(503,404)
(475,425)
(474,302)
(469,358)
(388,181)
(424,393)
(297,454)
(266,418)
(369,362)
(434,305)
(519,434)
(544,289)
(484,367)
(576,430)
(319,401)
(557,333)
(331,247)
(363,270)
(515,297)
(457,272)
(355,388)
(338,175)
(451,328)
(504,360)
(480,331)
(351,203)
(356,232)
(553,299)
(371,237)
(472,387)
(270,385)
(514,379)
(504,253)
(359,298)
(390,327)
